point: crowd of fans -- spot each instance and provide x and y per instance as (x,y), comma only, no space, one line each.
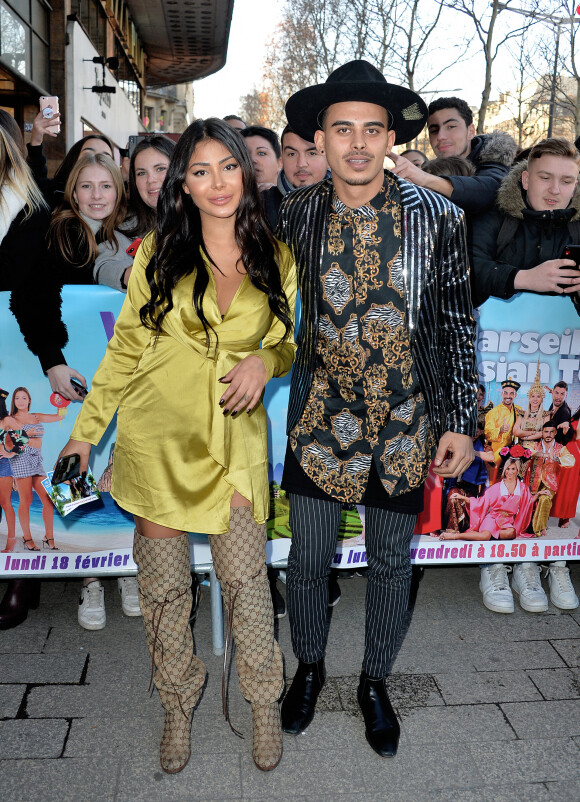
(84,225)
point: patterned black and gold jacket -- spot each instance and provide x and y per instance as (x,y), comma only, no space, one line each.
(439,312)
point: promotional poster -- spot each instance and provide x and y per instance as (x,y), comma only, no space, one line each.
(518,342)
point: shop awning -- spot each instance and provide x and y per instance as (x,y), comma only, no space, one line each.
(184,39)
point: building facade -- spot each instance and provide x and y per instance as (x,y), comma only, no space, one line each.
(119,67)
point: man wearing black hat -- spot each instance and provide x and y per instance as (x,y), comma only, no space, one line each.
(384,375)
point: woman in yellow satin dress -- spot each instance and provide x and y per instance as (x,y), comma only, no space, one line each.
(206,323)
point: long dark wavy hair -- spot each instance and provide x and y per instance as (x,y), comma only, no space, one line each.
(180,247)
(139,213)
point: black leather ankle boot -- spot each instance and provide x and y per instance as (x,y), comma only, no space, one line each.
(382,728)
(300,702)
(21,596)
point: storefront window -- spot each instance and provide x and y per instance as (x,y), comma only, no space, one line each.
(21,49)
(93,19)
(131,89)
(39,18)
(13,49)
(39,62)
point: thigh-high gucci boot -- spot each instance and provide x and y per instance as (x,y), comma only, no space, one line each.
(239,561)
(164,579)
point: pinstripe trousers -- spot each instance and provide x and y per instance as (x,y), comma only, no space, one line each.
(314,523)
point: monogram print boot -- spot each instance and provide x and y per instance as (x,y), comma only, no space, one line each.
(164,579)
(239,561)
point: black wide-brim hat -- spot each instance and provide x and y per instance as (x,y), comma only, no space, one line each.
(359,81)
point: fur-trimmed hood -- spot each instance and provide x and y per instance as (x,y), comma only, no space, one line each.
(511,200)
(497,147)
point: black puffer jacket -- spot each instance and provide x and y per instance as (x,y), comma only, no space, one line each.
(514,237)
(492,156)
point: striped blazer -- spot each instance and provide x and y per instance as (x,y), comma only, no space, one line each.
(439,311)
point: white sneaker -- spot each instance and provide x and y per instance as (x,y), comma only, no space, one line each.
(527,584)
(129,590)
(562,593)
(495,586)
(92,613)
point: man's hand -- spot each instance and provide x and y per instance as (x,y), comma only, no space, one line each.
(410,172)
(454,455)
(555,275)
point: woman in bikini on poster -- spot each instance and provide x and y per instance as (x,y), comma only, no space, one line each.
(7,452)
(28,470)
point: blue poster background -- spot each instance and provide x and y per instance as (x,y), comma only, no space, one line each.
(96,539)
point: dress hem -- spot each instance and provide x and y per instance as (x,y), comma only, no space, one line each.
(128,507)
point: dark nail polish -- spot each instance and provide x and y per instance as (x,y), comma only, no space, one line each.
(226,411)
(222,402)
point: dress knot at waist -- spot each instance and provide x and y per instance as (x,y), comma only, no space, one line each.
(219,440)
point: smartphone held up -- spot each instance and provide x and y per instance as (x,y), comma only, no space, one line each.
(49,108)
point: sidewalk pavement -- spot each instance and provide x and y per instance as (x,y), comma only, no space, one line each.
(489,707)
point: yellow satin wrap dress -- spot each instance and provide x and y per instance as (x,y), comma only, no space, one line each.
(178,459)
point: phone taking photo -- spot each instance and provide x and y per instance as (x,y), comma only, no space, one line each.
(572,252)
(78,387)
(49,107)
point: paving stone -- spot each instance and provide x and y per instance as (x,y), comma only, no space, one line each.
(306,773)
(450,630)
(32,738)
(418,770)
(545,719)
(76,701)
(525,792)
(123,736)
(514,656)
(464,723)
(346,689)
(83,780)
(569,651)
(563,791)
(522,626)
(534,760)
(486,686)
(42,668)
(557,683)
(456,745)
(10,699)
(28,638)
(413,690)
(67,635)
(328,732)
(143,780)
(416,659)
